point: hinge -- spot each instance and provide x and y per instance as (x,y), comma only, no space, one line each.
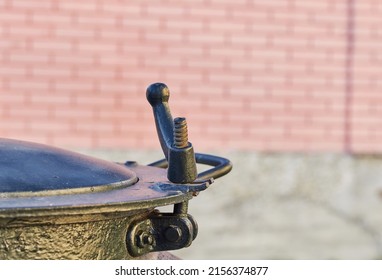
(162,232)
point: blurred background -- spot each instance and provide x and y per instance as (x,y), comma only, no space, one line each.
(289,90)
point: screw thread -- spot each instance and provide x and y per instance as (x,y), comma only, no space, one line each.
(180,133)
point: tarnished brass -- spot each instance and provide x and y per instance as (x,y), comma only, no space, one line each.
(82,225)
(75,237)
(56,204)
(161,232)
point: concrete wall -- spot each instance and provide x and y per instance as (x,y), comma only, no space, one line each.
(286,206)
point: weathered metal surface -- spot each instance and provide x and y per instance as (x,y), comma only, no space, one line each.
(32,168)
(79,237)
(145,194)
(161,232)
(56,204)
(172,136)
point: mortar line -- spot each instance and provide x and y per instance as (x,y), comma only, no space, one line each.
(348,75)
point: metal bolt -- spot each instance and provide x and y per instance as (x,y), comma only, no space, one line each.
(148,239)
(144,239)
(173,233)
(180,133)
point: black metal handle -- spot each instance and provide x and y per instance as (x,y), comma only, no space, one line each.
(180,157)
(221,165)
(158,95)
(173,136)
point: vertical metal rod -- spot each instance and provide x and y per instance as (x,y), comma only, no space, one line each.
(181,208)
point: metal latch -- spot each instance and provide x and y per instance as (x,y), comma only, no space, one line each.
(162,232)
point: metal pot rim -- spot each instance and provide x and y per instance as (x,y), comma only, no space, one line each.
(151,190)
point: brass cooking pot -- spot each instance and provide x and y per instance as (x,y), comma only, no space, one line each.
(57,204)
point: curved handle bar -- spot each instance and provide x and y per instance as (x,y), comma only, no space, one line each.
(172,134)
(221,165)
(158,95)
(180,158)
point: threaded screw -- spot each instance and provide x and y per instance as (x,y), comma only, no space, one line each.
(180,133)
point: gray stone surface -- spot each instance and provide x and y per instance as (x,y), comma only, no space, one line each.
(285,206)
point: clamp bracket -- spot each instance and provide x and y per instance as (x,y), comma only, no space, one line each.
(162,232)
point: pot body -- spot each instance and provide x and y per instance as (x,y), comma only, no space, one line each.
(86,237)
(57,204)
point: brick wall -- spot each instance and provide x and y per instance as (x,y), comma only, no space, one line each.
(278,75)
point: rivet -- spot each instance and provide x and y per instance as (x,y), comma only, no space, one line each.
(173,233)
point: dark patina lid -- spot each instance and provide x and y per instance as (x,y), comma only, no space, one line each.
(40,180)
(32,169)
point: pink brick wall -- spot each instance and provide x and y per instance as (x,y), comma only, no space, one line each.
(297,75)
